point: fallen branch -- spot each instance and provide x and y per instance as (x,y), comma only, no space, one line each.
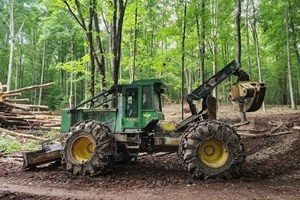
(253,130)
(296,128)
(13,133)
(276,128)
(240,124)
(254,136)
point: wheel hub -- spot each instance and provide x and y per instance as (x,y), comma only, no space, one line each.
(213,153)
(82,149)
(209,150)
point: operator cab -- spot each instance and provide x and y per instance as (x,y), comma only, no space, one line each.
(142,107)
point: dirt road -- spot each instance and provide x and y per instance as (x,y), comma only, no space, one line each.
(271,171)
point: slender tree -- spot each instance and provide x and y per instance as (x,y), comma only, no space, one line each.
(116,37)
(200,25)
(135,41)
(293,106)
(12,43)
(247,22)
(42,71)
(295,45)
(256,43)
(183,56)
(214,50)
(239,51)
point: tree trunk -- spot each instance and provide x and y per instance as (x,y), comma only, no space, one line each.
(88,29)
(238,33)
(42,72)
(295,44)
(99,55)
(134,41)
(116,37)
(239,51)
(293,106)
(257,52)
(247,21)
(183,57)
(33,62)
(11,40)
(71,79)
(201,39)
(214,9)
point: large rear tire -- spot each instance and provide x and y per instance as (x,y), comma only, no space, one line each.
(88,149)
(211,150)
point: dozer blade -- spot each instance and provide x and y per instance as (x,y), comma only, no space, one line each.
(49,153)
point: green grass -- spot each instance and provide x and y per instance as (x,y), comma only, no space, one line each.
(10,145)
(51,134)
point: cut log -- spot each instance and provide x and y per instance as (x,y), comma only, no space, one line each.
(15,94)
(16,100)
(15,114)
(19,117)
(13,133)
(10,105)
(32,112)
(32,159)
(17,122)
(35,106)
(7,114)
(30,88)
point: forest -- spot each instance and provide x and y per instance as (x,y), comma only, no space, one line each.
(86,46)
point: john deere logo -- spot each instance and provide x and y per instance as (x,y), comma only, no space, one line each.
(147,115)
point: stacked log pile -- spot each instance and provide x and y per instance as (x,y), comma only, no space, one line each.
(15,113)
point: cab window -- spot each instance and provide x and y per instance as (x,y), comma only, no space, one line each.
(131,102)
(157,101)
(147,98)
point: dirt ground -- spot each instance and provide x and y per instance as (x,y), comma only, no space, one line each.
(271,170)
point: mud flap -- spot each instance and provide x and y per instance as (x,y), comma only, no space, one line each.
(49,153)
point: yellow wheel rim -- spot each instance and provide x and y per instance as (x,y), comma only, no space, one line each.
(213,153)
(82,149)
(169,127)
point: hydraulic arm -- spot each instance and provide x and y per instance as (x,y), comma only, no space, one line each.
(207,87)
(249,93)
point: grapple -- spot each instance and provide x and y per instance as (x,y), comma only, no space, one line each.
(249,93)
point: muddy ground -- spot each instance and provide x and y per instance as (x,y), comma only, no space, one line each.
(271,170)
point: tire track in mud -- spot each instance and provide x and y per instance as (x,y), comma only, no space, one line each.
(283,145)
(274,157)
(15,191)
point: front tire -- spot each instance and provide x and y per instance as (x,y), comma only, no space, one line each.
(88,149)
(211,150)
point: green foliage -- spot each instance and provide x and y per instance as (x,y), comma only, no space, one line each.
(10,144)
(51,134)
(158,31)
